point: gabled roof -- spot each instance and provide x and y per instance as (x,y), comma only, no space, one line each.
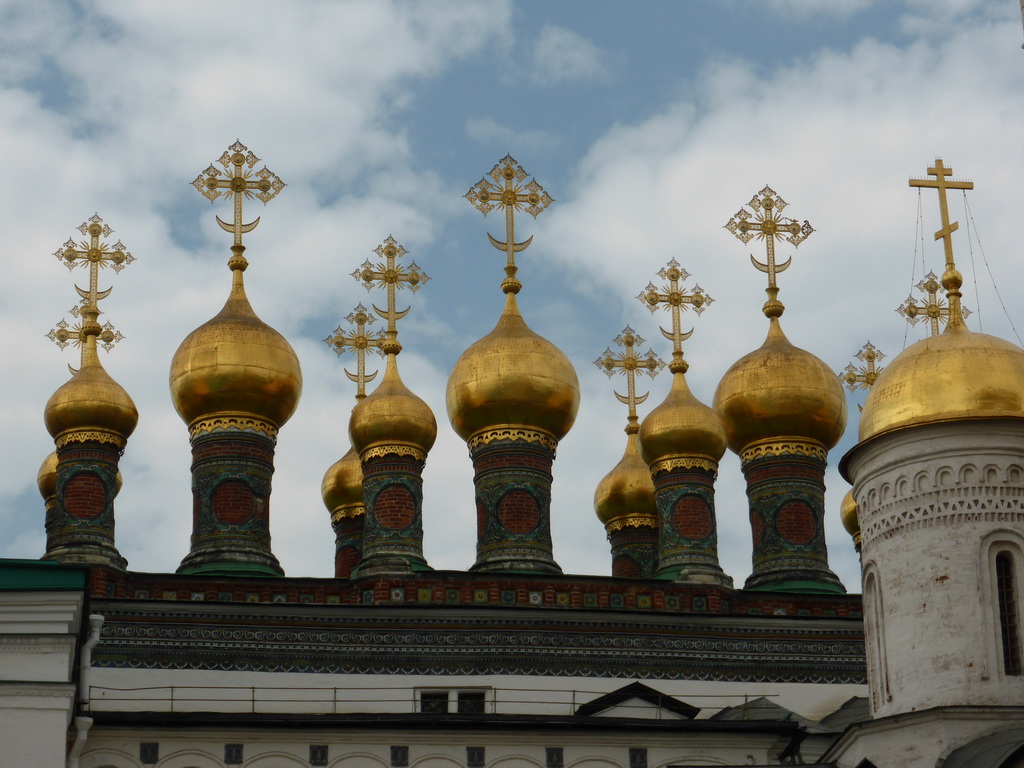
(855,710)
(643,693)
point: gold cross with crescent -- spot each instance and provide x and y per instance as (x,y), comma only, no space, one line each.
(862,377)
(769,224)
(675,299)
(942,183)
(359,342)
(629,363)
(393,276)
(97,255)
(507,191)
(935,310)
(238,180)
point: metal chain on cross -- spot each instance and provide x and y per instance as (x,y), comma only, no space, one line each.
(767,223)
(507,191)
(95,254)
(629,363)
(359,342)
(674,298)
(391,275)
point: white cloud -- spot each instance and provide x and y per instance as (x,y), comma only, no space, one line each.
(488,131)
(562,56)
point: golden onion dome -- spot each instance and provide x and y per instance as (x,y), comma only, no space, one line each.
(236,363)
(681,426)
(46,480)
(392,415)
(627,492)
(512,376)
(953,376)
(848,514)
(780,391)
(90,401)
(342,487)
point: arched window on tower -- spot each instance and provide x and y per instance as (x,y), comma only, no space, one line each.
(1009,620)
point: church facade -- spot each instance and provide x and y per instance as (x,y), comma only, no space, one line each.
(666,662)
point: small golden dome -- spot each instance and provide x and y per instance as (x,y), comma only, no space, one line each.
(236,363)
(47,477)
(90,400)
(955,375)
(392,415)
(627,492)
(342,487)
(848,514)
(780,391)
(681,426)
(512,376)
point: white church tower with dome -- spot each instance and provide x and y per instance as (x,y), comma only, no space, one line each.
(938,479)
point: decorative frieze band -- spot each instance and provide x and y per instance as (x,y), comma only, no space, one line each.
(684,462)
(784,447)
(510,433)
(393,449)
(233,421)
(631,522)
(90,436)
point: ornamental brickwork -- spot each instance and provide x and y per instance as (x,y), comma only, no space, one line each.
(392,538)
(688,535)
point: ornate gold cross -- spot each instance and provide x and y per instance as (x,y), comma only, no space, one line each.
(96,255)
(629,363)
(934,310)
(359,342)
(393,276)
(769,225)
(507,191)
(675,299)
(863,376)
(238,180)
(942,183)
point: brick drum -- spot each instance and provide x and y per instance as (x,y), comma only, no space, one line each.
(625,567)
(395,507)
(795,522)
(692,518)
(234,502)
(757,528)
(84,496)
(518,512)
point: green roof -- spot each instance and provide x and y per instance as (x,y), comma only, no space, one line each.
(41,574)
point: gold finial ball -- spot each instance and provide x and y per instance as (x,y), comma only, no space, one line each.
(512,376)
(681,426)
(627,492)
(46,480)
(392,415)
(90,400)
(235,363)
(342,486)
(848,514)
(953,376)
(952,279)
(780,391)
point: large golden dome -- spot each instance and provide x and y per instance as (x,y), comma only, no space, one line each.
(90,400)
(780,391)
(512,376)
(627,492)
(392,415)
(342,487)
(955,375)
(236,363)
(46,480)
(681,426)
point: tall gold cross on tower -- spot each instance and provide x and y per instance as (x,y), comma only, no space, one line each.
(392,276)
(96,255)
(675,299)
(629,363)
(935,310)
(769,224)
(942,183)
(238,180)
(863,376)
(508,192)
(358,342)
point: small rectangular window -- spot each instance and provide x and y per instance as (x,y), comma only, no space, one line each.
(434,702)
(471,702)
(1006,597)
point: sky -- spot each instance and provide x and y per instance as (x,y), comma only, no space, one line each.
(650,124)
